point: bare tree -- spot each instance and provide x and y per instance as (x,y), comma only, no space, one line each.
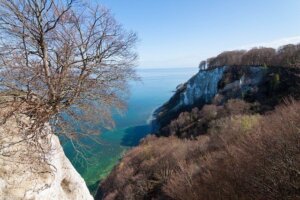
(202,65)
(228,58)
(61,56)
(259,56)
(288,56)
(285,56)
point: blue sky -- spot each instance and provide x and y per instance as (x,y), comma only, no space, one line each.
(181,33)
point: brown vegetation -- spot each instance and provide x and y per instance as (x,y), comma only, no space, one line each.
(196,122)
(285,56)
(241,157)
(228,58)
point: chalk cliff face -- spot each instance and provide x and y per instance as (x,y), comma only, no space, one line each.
(199,90)
(23,176)
(251,83)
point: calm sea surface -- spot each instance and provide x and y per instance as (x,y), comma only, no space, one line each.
(156,87)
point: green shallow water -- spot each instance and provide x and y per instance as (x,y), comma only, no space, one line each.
(157,87)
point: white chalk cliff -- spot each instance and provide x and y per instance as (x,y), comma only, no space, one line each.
(24,176)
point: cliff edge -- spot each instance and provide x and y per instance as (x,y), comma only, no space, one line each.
(30,170)
(267,86)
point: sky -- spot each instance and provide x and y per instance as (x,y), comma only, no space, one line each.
(181,33)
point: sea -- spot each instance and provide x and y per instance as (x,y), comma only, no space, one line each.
(155,87)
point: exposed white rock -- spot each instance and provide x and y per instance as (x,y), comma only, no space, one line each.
(203,86)
(23,176)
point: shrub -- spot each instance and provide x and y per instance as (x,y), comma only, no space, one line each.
(242,157)
(196,122)
(262,164)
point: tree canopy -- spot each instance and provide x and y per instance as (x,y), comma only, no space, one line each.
(285,56)
(60,54)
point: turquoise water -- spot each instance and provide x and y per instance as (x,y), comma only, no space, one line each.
(154,89)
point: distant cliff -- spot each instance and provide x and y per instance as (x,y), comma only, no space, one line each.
(264,85)
(197,91)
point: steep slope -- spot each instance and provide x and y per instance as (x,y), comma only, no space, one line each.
(38,172)
(199,90)
(241,157)
(265,85)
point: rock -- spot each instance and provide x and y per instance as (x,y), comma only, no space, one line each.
(30,172)
(199,90)
(265,85)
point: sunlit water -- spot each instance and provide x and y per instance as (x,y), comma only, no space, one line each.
(156,87)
